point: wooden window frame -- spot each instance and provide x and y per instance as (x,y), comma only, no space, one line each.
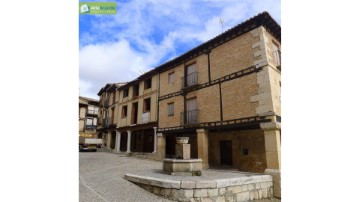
(173,109)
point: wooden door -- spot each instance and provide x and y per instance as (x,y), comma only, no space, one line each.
(226,152)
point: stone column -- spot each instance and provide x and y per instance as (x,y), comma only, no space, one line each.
(272,144)
(203,146)
(117,142)
(273,153)
(108,140)
(155,138)
(161,146)
(128,142)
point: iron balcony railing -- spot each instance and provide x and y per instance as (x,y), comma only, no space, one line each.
(277,57)
(92,112)
(106,103)
(189,80)
(191,117)
(90,127)
(107,121)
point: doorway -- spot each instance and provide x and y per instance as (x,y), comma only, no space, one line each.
(226,153)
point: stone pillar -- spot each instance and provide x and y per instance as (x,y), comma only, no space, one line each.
(128,141)
(108,140)
(203,146)
(117,142)
(161,146)
(155,140)
(273,153)
(272,144)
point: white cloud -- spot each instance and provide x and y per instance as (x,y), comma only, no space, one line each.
(144,33)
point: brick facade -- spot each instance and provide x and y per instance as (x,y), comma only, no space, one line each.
(222,94)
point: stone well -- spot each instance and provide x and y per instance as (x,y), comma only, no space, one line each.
(182,163)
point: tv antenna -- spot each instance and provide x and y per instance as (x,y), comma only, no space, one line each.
(221,21)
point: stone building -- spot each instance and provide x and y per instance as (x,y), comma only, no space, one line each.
(223,94)
(107,114)
(88,112)
(130,119)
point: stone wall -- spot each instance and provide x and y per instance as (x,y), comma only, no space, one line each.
(228,58)
(233,189)
(251,140)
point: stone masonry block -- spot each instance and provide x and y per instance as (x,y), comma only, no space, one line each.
(244,196)
(171,184)
(251,187)
(187,185)
(234,189)
(158,191)
(247,180)
(206,200)
(256,44)
(184,199)
(195,199)
(222,191)
(222,183)
(260,61)
(263,193)
(263,109)
(145,181)
(236,181)
(205,184)
(188,193)
(200,193)
(263,185)
(220,199)
(244,187)
(213,192)
(157,183)
(253,195)
(259,53)
(254,98)
(184,193)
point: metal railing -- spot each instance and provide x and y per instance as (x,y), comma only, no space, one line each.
(92,112)
(277,57)
(191,117)
(189,80)
(106,122)
(90,127)
(106,103)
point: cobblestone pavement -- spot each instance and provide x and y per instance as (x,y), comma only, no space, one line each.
(101,178)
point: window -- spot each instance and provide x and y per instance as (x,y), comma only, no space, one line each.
(125,92)
(171,78)
(171,109)
(113,97)
(147,83)
(91,123)
(147,105)
(191,111)
(96,110)
(191,76)
(124,112)
(277,53)
(136,90)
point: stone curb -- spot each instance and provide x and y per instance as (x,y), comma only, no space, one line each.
(186,184)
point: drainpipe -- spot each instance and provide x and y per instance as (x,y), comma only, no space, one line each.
(155,142)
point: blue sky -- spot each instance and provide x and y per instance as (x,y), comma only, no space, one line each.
(146,33)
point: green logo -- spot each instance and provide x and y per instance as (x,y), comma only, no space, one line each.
(97,8)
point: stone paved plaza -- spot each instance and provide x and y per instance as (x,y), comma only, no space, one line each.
(101,177)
